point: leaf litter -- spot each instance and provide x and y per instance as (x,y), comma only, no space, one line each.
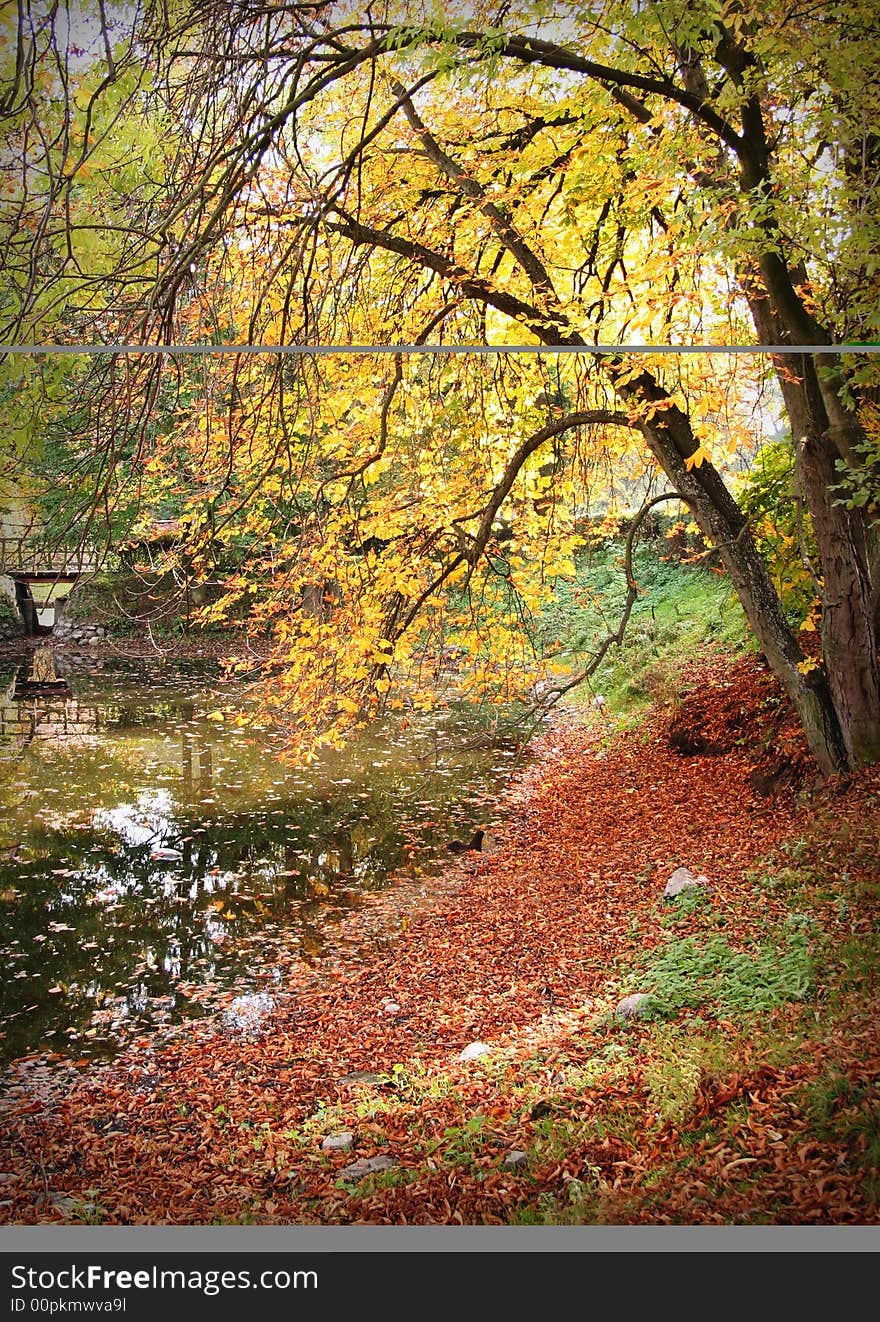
(696,1119)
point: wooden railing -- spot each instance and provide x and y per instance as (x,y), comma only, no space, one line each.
(20,555)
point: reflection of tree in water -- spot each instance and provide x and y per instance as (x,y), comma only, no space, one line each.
(121,927)
(197,753)
(266,860)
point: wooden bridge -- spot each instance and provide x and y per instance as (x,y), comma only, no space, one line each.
(30,561)
(37,570)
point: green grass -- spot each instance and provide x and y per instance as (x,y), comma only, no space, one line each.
(680,610)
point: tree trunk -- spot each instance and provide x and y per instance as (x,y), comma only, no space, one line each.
(849,642)
(670,438)
(825,430)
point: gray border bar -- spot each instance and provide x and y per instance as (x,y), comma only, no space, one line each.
(439,1239)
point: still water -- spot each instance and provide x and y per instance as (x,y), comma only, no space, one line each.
(153,858)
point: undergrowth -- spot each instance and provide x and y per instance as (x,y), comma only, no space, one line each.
(707,972)
(680,610)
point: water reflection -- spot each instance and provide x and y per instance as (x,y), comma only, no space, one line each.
(150,856)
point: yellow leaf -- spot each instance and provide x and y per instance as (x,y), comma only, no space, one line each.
(694,460)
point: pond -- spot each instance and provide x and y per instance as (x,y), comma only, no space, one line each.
(154,858)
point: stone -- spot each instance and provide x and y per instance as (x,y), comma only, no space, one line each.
(68,1204)
(390,1007)
(683,879)
(474,1050)
(361,1076)
(342,1142)
(633,1007)
(356,1170)
(516,1157)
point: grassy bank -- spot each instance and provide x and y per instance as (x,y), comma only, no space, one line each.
(682,608)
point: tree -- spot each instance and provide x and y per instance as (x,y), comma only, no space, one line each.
(520,172)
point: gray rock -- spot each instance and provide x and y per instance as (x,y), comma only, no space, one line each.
(633,1007)
(474,1050)
(341,1142)
(361,1076)
(683,879)
(356,1170)
(516,1157)
(67,1203)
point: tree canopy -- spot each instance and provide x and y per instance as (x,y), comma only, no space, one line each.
(559,177)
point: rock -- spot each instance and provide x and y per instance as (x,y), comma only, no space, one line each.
(683,879)
(633,1007)
(356,1170)
(474,1050)
(516,1157)
(390,1007)
(341,1142)
(67,1203)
